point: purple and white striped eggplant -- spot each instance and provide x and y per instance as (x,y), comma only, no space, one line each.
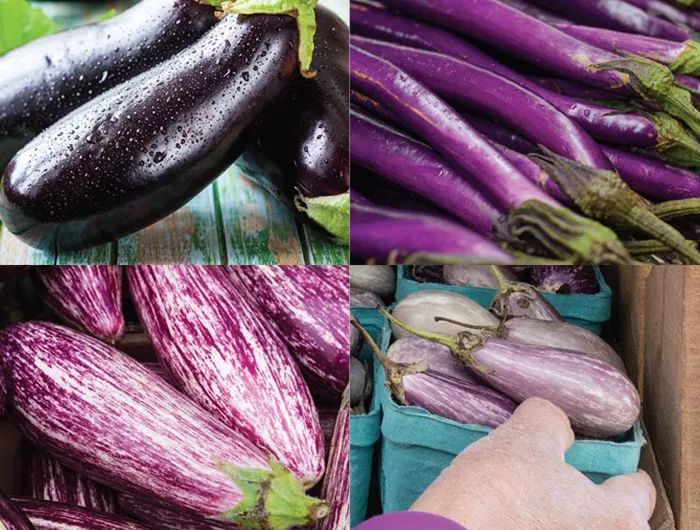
(517,299)
(3,394)
(361,298)
(565,279)
(87,296)
(309,309)
(161,372)
(103,414)
(47,515)
(599,399)
(438,358)
(327,415)
(158,518)
(226,357)
(474,275)
(420,308)
(11,518)
(336,483)
(45,478)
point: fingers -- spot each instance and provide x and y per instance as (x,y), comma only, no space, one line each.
(637,492)
(542,425)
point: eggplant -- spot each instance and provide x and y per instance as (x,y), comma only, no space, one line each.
(362,298)
(141,150)
(327,415)
(48,78)
(358,382)
(377,279)
(11,518)
(474,275)
(518,299)
(419,309)
(45,478)
(336,483)
(565,279)
(354,341)
(87,296)
(301,154)
(159,518)
(47,515)
(226,357)
(3,395)
(112,420)
(308,308)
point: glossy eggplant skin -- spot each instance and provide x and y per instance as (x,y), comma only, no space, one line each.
(142,150)
(303,149)
(49,77)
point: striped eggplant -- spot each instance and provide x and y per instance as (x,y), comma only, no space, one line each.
(161,372)
(518,299)
(438,358)
(420,308)
(3,394)
(158,518)
(103,414)
(336,483)
(565,279)
(599,399)
(11,518)
(474,275)
(378,279)
(87,296)
(362,298)
(45,478)
(309,309)
(226,357)
(327,415)
(47,515)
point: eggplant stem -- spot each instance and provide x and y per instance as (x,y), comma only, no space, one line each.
(671,210)
(603,195)
(644,248)
(675,144)
(398,257)
(465,325)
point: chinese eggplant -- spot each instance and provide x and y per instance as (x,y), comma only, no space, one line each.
(113,420)
(143,149)
(301,153)
(46,79)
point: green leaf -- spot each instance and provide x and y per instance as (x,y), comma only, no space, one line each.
(331,212)
(21,23)
(109,14)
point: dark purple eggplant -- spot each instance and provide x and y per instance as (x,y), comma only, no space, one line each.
(302,152)
(565,279)
(49,77)
(11,518)
(140,151)
(518,299)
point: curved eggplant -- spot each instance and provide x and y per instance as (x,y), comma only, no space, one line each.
(46,79)
(140,151)
(301,154)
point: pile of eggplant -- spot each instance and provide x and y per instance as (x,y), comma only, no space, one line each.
(532,131)
(180,397)
(109,127)
(473,365)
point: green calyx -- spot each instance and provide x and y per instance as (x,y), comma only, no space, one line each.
(688,61)
(603,195)
(675,144)
(331,212)
(302,10)
(272,499)
(655,82)
(674,210)
(647,247)
(541,229)
(401,257)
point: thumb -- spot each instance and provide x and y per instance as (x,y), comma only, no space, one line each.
(636,490)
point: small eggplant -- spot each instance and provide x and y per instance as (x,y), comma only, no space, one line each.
(143,149)
(301,154)
(362,298)
(518,299)
(439,358)
(474,275)
(359,387)
(378,279)
(354,340)
(565,279)
(46,79)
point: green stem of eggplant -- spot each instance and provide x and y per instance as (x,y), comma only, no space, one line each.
(675,144)
(603,195)
(672,210)
(647,247)
(398,257)
(541,229)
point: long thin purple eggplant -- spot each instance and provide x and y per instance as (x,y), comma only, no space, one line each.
(670,12)
(599,399)
(619,15)
(535,11)
(47,515)
(11,517)
(514,32)
(517,299)
(336,483)
(565,279)
(308,308)
(159,518)
(45,478)
(388,235)
(680,57)
(426,114)
(109,418)
(573,89)
(419,169)
(87,296)
(224,355)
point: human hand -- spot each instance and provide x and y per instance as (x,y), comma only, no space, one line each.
(517,478)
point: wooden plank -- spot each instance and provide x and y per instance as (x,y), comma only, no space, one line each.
(662,518)
(102,255)
(188,236)
(321,251)
(14,252)
(257,228)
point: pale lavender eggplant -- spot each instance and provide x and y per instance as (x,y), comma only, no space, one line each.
(474,275)
(560,335)
(599,399)
(47,515)
(45,478)
(336,483)
(11,518)
(227,358)
(106,416)
(159,518)
(308,307)
(87,296)
(358,382)
(360,298)
(439,358)
(565,279)
(518,299)
(378,279)
(354,340)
